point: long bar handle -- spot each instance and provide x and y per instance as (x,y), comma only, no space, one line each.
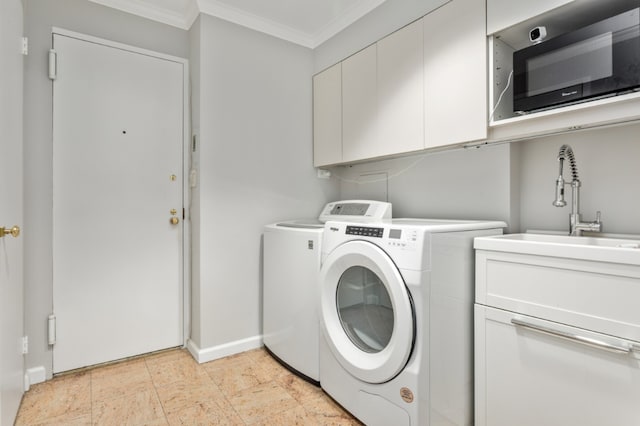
(594,343)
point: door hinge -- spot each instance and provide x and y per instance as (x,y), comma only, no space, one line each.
(53,64)
(25,345)
(25,46)
(52,329)
(184,214)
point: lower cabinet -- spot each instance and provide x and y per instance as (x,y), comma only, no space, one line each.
(528,377)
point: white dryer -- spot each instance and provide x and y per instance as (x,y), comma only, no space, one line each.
(396,313)
(291,262)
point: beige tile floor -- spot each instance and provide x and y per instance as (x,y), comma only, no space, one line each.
(171,388)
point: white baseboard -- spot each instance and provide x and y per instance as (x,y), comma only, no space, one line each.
(220,351)
(33,376)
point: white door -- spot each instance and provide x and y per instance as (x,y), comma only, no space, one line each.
(117,183)
(11,287)
(366,312)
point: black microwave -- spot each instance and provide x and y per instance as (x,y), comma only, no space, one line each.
(602,59)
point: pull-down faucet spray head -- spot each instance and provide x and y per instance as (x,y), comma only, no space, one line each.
(559,201)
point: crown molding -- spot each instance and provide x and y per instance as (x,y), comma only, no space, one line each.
(343,21)
(191,14)
(151,11)
(219,9)
(238,16)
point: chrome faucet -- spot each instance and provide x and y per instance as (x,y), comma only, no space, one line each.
(576,226)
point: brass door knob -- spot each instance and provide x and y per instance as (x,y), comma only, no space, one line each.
(14,231)
(174,221)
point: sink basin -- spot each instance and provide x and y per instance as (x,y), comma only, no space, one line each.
(614,250)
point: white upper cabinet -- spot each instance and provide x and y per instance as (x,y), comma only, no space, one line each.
(422,86)
(360,105)
(327,116)
(401,91)
(382,97)
(502,14)
(455,73)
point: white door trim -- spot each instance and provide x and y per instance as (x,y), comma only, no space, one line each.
(186,156)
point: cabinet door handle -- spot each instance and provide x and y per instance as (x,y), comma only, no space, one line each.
(594,343)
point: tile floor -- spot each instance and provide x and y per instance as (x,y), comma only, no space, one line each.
(171,388)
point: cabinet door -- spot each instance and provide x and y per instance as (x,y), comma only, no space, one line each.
(359,105)
(455,69)
(527,378)
(327,116)
(502,14)
(401,91)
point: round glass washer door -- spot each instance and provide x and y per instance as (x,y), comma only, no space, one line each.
(366,312)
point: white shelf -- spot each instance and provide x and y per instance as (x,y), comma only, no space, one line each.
(602,112)
(504,124)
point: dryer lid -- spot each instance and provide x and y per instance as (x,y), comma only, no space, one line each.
(302,224)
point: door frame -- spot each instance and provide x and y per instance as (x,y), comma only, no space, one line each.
(185,263)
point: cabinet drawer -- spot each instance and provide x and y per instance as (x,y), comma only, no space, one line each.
(596,296)
(527,378)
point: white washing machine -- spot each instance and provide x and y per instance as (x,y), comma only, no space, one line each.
(291,264)
(396,314)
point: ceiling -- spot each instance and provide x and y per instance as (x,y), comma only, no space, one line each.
(305,22)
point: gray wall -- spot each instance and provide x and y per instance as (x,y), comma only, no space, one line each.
(511,182)
(255,161)
(88,18)
(607,161)
(457,184)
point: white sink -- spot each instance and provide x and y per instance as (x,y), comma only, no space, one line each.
(614,250)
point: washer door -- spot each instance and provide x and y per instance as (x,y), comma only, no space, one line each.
(366,312)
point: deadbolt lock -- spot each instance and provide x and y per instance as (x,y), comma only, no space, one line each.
(173,212)
(174,221)
(14,231)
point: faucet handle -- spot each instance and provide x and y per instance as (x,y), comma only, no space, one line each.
(598,217)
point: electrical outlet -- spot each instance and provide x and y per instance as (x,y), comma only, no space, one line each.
(25,345)
(324,174)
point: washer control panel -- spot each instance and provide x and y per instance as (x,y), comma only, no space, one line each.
(365,231)
(402,238)
(405,238)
